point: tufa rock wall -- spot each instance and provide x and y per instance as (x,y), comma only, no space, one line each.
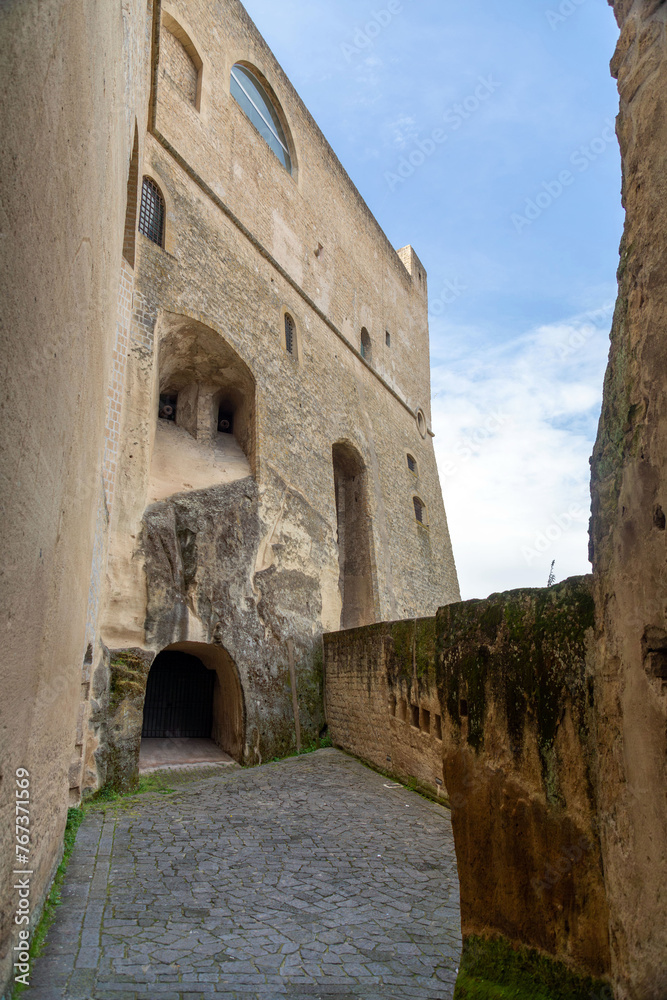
(628,537)
(76,80)
(496,697)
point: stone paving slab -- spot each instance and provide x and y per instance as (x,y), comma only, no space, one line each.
(314,878)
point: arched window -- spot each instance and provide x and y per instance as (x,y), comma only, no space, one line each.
(152,213)
(290,335)
(180,61)
(366,347)
(249,93)
(420,510)
(412,464)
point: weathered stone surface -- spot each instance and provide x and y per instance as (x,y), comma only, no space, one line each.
(74,78)
(506,684)
(628,538)
(122,716)
(382,701)
(201,558)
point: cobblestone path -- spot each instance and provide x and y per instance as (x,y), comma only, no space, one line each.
(310,878)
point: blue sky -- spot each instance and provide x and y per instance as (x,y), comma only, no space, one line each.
(514,210)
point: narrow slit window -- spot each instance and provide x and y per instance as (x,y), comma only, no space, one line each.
(420,510)
(387,338)
(151,214)
(412,464)
(425,721)
(225,420)
(289,334)
(415,715)
(167,410)
(365,348)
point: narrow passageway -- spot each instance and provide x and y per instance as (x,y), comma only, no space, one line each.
(312,877)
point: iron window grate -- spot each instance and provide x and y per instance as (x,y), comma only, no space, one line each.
(151,213)
(289,334)
(419,510)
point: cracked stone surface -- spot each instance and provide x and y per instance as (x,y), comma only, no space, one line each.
(309,878)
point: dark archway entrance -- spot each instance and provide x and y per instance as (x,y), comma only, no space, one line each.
(194,708)
(179,698)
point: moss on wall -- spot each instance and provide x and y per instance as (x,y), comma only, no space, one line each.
(492,969)
(128,676)
(527,650)
(401,657)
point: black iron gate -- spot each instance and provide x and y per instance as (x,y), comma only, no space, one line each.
(179,698)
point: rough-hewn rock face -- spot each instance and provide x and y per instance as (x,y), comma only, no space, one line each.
(629,541)
(518,755)
(497,696)
(206,584)
(120,684)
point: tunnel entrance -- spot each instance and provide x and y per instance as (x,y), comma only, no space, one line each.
(193,708)
(179,698)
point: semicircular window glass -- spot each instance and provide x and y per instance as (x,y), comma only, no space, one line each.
(253,99)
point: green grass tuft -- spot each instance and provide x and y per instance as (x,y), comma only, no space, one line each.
(494,970)
(74,820)
(321,743)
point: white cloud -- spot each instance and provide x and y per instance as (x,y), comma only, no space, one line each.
(514,428)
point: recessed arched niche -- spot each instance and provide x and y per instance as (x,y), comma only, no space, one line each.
(204,412)
(354,536)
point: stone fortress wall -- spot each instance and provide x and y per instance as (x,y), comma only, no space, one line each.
(488,706)
(305,519)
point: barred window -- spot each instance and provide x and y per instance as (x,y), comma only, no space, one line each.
(151,214)
(420,510)
(289,334)
(412,464)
